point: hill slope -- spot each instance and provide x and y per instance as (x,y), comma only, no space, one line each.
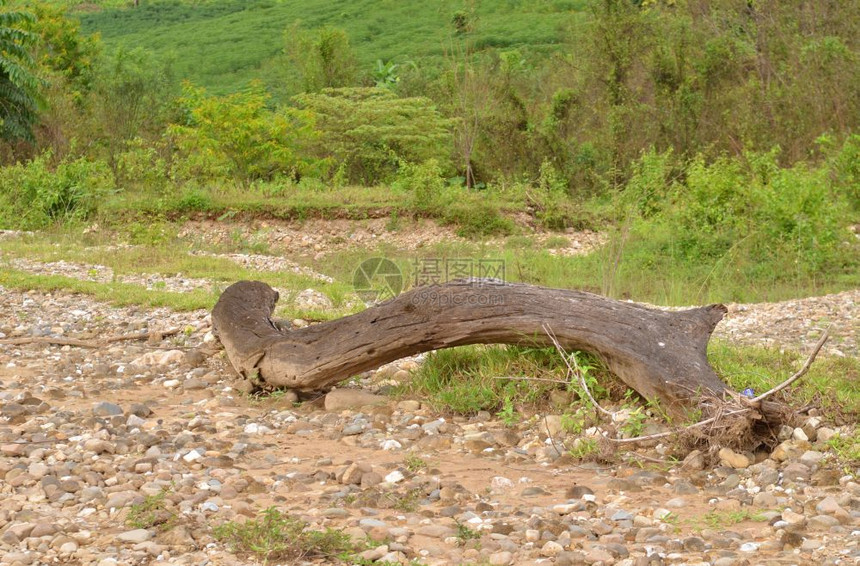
(222,45)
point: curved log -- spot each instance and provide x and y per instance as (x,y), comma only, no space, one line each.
(660,354)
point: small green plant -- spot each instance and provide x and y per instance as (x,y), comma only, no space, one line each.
(846,448)
(276,536)
(152,513)
(584,448)
(634,424)
(414,463)
(586,370)
(722,519)
(556,242)
(575,423)
(508,413)
(406,502)
(465,533)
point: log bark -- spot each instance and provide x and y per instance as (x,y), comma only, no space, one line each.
(660,354)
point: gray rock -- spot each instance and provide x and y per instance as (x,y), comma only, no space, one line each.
(134,536)
(340,399)
(106,409)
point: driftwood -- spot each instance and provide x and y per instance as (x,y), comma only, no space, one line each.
(660,354)
(152,336)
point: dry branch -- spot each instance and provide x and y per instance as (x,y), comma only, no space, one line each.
(61,341)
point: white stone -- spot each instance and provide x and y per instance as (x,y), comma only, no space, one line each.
(394,477)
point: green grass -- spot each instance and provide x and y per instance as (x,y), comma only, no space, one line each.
(223,44)
(470,379)
(118,294)
(277,536)
(153,512)
(832,383)
(161,258)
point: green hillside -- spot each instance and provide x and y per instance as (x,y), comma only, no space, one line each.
(221,45)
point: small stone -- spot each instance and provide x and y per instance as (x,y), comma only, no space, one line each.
(194,384)
(695,460)
(134,536)
(352,475)
(551,548)
(577,491)
(374,554)
(598,555)
(732,459)
(105,409)
(500,484)
(503,558)
(69,547)
(394,477)
(140,410)
(551,425)
(340,399)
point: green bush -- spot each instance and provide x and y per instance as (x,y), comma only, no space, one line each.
(33,196)
(735,222)
(370,131)
(239,136)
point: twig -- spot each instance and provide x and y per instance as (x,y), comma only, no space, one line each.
(526,378)
(678,431)
(797,375)
(574,370)
(60,341)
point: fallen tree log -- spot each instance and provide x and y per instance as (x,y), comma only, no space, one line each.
(660,354)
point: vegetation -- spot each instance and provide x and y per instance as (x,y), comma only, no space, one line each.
(153,512)
(715,144)
(276,536)
(18,81)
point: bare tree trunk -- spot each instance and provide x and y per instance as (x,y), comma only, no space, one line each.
(660,354)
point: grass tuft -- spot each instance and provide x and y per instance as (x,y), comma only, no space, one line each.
(276,536)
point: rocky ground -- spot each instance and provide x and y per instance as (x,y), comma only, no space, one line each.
(87,435)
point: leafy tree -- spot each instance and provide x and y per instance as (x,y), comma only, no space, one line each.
(130,99)
(19,83)
(63,48)
(368,131)
(322,58)
(67,61)
(238,135)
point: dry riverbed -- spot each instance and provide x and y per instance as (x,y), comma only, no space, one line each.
(88,434)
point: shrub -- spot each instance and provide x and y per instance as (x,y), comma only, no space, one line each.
(370,131)
(277,536)
(237,135)
(736,222)
(33,196)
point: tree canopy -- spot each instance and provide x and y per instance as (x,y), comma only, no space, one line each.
(18,80)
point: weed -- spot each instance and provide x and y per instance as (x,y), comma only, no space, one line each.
(465,533)
(508,413)
(414,463)
(584,448)
(152,513)
(722,519)
(276,536)
(575,423)
(406,502)
(556,242)
(846,448)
